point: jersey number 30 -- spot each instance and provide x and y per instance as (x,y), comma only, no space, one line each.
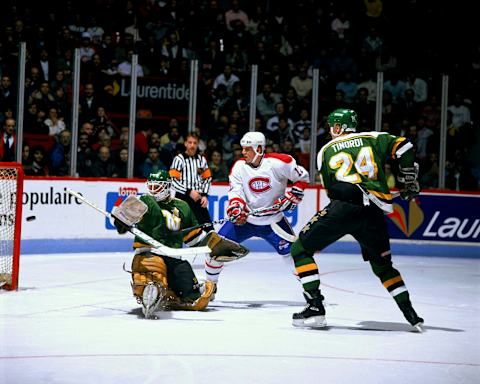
(364,165)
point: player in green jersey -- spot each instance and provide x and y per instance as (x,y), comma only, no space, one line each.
(160,281)
(351,166)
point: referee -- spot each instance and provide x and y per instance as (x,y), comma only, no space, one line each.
(191,179)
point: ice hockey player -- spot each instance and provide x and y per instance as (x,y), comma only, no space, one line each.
(160,281)
(260,181)
(352,170)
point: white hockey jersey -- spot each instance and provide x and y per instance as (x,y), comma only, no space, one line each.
(260,187)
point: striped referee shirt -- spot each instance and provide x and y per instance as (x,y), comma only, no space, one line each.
(190,172)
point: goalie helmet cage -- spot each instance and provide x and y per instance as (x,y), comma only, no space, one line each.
(11,190)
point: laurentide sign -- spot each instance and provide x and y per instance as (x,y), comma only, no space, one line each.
(437,217)
(164,96)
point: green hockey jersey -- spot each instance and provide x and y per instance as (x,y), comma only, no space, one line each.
(359,158)
(164,219)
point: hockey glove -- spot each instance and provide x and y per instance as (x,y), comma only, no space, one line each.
(410,191)
(407,177)
(223,249)
(121,227)
(237,212)
(130,211)
(291,199)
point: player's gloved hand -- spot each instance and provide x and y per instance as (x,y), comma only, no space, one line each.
(291,199)
(407,177)
(237,212)
(121,227)
(410,190)
(408,174)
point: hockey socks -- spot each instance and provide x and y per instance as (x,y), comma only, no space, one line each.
(306,268)
(393,282)
(213,269)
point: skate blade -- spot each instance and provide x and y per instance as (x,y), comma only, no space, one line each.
(312,322)
(418,328)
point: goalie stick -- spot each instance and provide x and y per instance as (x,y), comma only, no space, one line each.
(159,248)
(256,212)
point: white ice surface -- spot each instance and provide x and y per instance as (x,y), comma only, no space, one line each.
(74,320)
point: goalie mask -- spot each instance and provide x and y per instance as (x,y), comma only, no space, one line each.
(342,121)
(159,185)
(254,140)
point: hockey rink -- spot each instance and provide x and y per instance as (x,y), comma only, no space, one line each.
(74,320)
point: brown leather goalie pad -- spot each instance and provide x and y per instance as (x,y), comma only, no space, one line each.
(148,268)
(145,269)
(224,249)
(173,302)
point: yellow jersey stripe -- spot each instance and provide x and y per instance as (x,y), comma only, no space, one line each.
(306,268)
(397,143)
(138,244)
(384,196)
(392,281)
(191,234)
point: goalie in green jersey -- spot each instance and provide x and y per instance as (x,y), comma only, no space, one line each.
(351,166)
(161,281)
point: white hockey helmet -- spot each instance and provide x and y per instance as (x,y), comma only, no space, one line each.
(253,139)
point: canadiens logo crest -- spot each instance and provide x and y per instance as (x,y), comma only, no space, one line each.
(259,184)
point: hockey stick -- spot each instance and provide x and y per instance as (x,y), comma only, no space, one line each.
(375,199)
(256,212)
(158,247)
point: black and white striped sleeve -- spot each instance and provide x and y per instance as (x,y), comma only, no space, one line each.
(176,173)
(206,176)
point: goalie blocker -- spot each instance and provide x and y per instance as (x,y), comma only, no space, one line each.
(223,249)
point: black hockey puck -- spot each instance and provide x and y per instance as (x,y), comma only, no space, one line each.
(31,218)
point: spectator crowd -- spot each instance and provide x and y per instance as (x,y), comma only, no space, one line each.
(348,41)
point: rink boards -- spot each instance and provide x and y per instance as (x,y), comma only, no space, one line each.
(436,223)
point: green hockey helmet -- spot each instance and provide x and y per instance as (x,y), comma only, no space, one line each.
(342,121)
(159,185)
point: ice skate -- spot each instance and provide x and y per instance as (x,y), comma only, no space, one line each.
(313,315)
(151,297)
(411,315)
(214,291)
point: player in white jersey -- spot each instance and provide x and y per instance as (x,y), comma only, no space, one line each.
(260,181)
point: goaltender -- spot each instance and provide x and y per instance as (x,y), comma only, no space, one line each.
(160,281)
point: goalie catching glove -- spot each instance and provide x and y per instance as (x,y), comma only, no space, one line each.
(129,213)
(291,199)
(407,177)
(237,212)
(223,249)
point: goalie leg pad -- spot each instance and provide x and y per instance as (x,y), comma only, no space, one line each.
(147,268)
(224,249)
(199,304)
